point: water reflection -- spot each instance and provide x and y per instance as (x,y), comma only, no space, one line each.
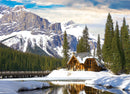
(82,89)
(68,89)
(75,88)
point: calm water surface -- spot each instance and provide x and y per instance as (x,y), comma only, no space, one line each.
(68,89)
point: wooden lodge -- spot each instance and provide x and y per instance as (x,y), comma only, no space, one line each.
(84,62)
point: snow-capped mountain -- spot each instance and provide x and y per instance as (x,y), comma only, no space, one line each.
(28,32)
(77,31)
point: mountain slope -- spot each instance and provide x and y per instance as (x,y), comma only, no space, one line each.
(3,46)
(28,32)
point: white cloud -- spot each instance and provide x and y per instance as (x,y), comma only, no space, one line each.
(70,3)
(46,2)
(101,1)
(89,15)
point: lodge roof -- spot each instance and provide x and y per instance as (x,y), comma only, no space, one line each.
(81,57)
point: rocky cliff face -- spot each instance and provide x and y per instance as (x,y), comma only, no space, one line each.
(4,9)
(56,28)
(18,19)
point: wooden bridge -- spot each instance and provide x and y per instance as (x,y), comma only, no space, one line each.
(23,74)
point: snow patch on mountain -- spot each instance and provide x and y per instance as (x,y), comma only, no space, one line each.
(25,37)
(50,43)
(77,31)
(72,29)
(1,15)
(25,31)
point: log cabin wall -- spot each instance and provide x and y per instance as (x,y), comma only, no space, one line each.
(80,67)
(73,64)
(91,65)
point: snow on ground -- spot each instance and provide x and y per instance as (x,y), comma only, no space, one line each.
(121,82)
(67,82)
(63,74)
(12,87)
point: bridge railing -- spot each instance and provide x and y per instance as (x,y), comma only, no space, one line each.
(6,74)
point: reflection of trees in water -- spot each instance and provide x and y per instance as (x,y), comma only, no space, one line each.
(89,90)
(68,89)
(77,88)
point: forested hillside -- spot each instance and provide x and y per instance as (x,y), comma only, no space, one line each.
(12,60)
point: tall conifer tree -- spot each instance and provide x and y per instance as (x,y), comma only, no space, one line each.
(99,51)
(85,40)
(125,47)
(80,46)
(83,44)
(109,33)
(116,62)
(65,50)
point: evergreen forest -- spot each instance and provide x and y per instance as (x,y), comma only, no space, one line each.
(12,60)
(116,48)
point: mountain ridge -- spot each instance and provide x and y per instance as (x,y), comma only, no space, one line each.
(25,31)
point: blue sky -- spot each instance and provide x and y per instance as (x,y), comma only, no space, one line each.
(113,4)
(27,4)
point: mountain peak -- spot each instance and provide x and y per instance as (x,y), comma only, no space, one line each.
(18,7)
(3,7)
(69,23)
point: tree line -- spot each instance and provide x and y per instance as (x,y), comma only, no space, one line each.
(116,48)
(12,60)
(115,51)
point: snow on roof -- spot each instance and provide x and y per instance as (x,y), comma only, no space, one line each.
(81,57)
(82,60)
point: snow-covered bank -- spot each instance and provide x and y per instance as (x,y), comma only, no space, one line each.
(67,82)
(63,74)
(94,79)
(12,87)
(121,82)
(103,78)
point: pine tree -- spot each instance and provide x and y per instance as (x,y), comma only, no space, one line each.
(99,51)
(83,44)
(116,62)
(80,46)
(65,50)
(125,47)
(109,33)
(85,40)
(127,57)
